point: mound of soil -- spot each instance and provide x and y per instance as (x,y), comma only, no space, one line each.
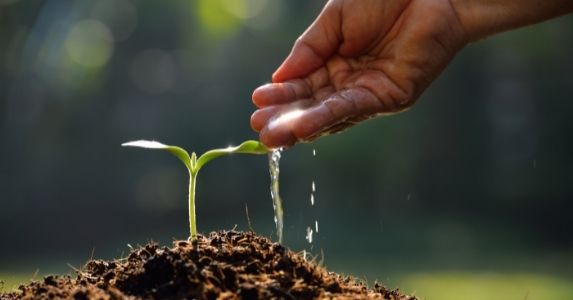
(222,265)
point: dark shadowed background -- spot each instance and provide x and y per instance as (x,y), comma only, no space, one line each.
(468,193)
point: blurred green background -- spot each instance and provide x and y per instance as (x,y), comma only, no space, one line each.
(466,196)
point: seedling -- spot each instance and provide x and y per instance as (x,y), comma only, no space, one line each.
(195,164)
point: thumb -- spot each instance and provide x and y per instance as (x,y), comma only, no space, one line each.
(310,51)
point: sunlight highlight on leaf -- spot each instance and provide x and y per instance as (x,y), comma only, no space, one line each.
(177,151)
(248,147)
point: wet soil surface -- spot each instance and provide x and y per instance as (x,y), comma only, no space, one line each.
(221,265)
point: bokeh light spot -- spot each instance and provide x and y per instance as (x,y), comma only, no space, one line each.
(245,9)
(89,43)
(216,19)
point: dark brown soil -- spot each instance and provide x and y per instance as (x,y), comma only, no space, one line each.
(222,265)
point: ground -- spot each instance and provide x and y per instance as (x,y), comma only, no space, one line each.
(221,265)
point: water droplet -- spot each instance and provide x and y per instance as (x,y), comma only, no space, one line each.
(312,199)
(316,226)
(309,235)
(313,187)
(313,152)
(409,197)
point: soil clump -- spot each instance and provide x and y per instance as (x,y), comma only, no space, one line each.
(221,265)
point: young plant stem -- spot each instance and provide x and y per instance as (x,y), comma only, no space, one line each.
(192,222)
(194,164)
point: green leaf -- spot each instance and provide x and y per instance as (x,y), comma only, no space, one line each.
(177,151)
(248,147)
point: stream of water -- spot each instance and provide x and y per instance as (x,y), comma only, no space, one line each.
(274,159)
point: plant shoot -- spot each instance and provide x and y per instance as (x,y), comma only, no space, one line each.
(195,164)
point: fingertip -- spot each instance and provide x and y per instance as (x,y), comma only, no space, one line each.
(281,93)
(261,117)
(284,71)
(278,76)
(301,62)
(255,125)
(258,95)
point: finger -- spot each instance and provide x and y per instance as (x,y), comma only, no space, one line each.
(338,109)
(281,93)
(334,114)
(285,129)
(365,103)
(279,120)
(314,120)
(314,46)
(359,38)
(261,117)
(274,115)
(278,137)
(324,93)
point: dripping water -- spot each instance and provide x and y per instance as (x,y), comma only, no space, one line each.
(274,159)
(312,194)
(309,235)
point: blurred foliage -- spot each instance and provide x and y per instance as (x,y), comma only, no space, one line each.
(478,173)
(492,286)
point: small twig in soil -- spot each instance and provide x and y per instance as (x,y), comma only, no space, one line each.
(74,268)
(248,218)
(92,254)
(35,274)
(365,278)
(308,256)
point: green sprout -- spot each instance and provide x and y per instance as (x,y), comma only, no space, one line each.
(195,164)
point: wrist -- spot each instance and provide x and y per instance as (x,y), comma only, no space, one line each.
(482,18)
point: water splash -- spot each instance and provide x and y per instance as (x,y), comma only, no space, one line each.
(274,159)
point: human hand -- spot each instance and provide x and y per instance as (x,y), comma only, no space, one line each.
(359,59)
